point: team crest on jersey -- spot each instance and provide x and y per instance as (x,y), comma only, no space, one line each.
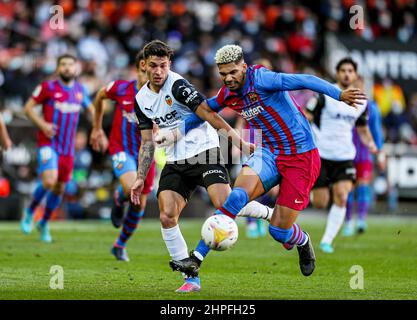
(168,100)
(119,166)
(253,97)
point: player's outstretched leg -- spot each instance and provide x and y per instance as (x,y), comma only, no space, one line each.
(117,211)
(27,222)
(52,202)
(130,224)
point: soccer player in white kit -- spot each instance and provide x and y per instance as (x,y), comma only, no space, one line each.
(332,123)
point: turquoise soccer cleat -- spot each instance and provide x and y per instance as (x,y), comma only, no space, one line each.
(252,230)
(326,247)
(44,232)
(348,230)
(261,228)
(27,222)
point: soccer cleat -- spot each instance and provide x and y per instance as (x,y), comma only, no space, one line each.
(27,222)
(348,230)
(189,266)
(326,247)
(120,253)
(252,230)
(117,211)
(307,258)
(189,286)
(361,226)
(44,232)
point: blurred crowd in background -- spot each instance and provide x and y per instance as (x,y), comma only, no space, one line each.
(106,35)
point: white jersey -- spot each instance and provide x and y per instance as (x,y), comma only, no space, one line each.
(332,126)
(166,111)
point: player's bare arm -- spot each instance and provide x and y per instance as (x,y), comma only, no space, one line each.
(366,138)
(47,128)
(146,154)
(5,141)
(97,134)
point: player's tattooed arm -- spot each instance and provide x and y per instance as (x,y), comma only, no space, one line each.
(146,153)
(145,158)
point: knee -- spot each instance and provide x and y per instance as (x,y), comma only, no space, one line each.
(340,199)
(320,203)
(279,234)
(168,219)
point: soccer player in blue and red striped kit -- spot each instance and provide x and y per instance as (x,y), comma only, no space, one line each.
(62,100)
(287,155)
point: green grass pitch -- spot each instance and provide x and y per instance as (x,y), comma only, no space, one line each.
(253,269)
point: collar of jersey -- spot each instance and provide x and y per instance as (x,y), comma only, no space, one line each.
(66,88)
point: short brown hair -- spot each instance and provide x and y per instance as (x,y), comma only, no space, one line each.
(347,60)
(65,56)
(157,48)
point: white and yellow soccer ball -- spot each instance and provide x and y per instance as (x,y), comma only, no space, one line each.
(219,232)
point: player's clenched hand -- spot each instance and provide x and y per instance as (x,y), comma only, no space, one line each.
(166,137)
(352,97)
(49,129)
(372,148)
(98,140)
(136,191)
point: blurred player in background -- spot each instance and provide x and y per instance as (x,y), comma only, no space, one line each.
(62,100)
(124,147)
(332,123)
(361,195)
(287,155)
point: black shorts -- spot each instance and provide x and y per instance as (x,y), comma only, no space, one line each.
(334,171)
(184,176)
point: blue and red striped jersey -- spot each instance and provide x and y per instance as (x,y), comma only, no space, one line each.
(125,134)
(61,106)
(266,105)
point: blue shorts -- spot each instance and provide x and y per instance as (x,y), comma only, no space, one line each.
(123,162)
(262,161)
(49,159)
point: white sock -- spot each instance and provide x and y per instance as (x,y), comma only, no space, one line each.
(334,223)
(254,209)
(176,245)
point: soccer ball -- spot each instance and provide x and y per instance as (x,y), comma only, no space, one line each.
(219,232)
